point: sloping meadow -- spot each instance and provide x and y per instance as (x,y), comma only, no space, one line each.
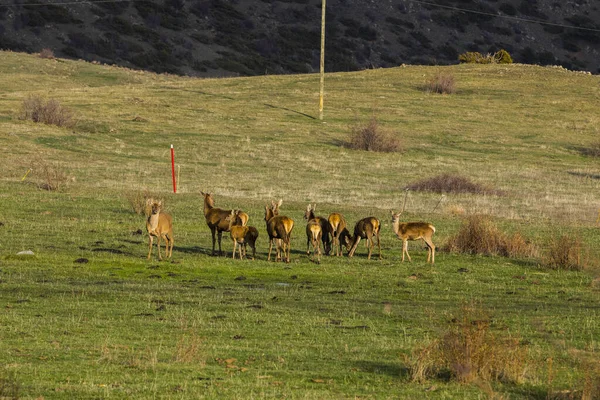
(86,315)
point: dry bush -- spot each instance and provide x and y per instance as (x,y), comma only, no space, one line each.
(566,253)
(479,235)
(138,200)
(593,150)
(53,176)
(9,386)
(47,53)
(48,112)
(471,352)
(442,83)
(189,350)
(371,137)
(448,183)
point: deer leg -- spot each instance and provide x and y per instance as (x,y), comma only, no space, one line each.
(430,250)
(270,248)
(219,236)
(308,240)
(158,245)
(169,246)
(234,247)
(150,247)
(405,250)
(379,245)
(212,231)
(369,246)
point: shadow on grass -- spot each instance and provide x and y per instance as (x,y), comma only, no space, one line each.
(290,110)
(382,368)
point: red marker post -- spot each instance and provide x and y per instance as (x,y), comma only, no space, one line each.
(173,169)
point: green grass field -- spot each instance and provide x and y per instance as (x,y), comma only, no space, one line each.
(87,316)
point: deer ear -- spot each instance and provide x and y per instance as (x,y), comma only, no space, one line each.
(280,202)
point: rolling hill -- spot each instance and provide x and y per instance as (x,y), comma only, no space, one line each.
(224,38)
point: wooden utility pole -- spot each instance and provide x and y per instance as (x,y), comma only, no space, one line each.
(322,63)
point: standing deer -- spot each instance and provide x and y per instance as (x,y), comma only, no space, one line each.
(242,235)
(413,231)
(366,228)
(216,219)
(309,215)
(159,224)
(279,229)
(337,223)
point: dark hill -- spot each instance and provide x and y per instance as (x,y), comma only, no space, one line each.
(218,37)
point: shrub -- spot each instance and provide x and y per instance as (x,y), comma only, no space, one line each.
(565,253)
(442,83)
(503,57)
(479,235)
(138,200)
(469,351)
(53,176)
(448,183)
(474,57)
(371,137)
(46,53)
(50,112)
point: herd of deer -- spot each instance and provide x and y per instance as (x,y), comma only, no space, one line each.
(279,228)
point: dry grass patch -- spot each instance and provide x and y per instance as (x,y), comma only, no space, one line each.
(479,235)
(469,351)
(593,150)
(567,253)
(450,183)
(49,112)
(442,83)
(371,137)
(52,175)
(46,53)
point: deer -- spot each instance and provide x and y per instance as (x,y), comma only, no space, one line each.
(366,228)
(279,229)
(309,215)
(413,231)
(337,223)
(216,219)
(159,224)
(241,234)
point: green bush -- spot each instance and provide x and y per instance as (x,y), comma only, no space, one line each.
(503,57)
(474,57)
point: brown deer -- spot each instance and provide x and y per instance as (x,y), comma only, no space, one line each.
(413,231)
(242,235)
(337,223)
(279,229)
(309,215)
(159,224)
(366,228)
(314,234)
(216,219)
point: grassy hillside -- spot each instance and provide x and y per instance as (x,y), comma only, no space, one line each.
(87,316)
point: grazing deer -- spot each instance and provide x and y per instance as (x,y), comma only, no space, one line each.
(413,231)
(216,219)
(337,223)
(314,234)
(159,224)
(366,228)
(241,235)
(279,229)
(309,215)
